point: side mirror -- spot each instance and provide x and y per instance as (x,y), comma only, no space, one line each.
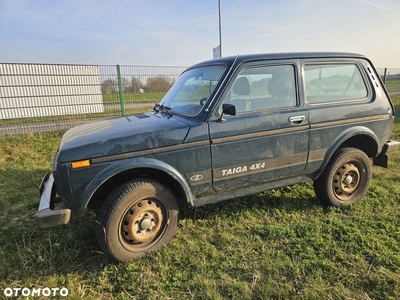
(228,109)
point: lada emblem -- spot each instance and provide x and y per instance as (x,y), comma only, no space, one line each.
(196,177)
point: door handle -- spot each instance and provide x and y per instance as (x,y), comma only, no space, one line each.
(297,119)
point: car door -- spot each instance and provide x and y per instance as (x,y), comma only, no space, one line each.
(267,139)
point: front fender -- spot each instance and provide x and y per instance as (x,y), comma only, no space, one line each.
(130,164)
(345,137)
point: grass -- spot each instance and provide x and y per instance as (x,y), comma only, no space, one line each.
(113,110)
(151,97)
(279,244)
(393,86)
(77,117)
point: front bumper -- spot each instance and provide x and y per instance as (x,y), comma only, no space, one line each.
(46,216)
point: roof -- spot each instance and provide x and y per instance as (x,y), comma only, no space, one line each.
(284,55)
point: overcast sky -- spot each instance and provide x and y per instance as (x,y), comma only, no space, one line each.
(184,32)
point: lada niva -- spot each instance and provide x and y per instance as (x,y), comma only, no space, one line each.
(228,127)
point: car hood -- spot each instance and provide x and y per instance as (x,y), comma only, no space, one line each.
(121,135)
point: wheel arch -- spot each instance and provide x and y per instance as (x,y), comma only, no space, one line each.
(123,171)
(358,137)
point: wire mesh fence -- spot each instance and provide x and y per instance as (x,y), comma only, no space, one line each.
(391,79)
(43,97)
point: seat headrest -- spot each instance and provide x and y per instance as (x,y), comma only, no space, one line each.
(279,84)
(241,86)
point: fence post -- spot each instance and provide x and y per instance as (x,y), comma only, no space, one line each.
(384,76)
(121,91)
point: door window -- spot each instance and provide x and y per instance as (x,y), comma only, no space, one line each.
(263,87)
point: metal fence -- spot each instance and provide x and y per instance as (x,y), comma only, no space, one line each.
(389,74)
(43,97)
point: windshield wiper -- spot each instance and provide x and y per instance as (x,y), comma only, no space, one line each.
(162,109)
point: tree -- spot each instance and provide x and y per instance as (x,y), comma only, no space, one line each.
(135,85)
(109,86)
(125,85)
(158,84)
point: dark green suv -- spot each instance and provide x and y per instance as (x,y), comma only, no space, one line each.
(228,127)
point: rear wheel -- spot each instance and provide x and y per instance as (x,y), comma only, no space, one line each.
(138,217)
(346,178)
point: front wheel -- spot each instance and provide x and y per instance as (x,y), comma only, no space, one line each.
(138,217)
(346,178)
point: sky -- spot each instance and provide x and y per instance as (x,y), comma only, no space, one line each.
(184,32)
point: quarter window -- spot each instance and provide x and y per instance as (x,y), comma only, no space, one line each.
(263,87)
(333,83)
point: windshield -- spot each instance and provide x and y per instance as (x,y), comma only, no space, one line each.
(190,93)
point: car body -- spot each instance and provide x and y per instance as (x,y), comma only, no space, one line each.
(228,127)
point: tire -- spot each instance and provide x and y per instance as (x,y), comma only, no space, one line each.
(346,178)
(139,217)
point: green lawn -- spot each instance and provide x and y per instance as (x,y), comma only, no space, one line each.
(280,244)
(154,97)
(393,86)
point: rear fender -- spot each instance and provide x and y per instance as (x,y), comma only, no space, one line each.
(344,139)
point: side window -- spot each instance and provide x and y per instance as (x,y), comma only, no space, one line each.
(263,87)
(333,83)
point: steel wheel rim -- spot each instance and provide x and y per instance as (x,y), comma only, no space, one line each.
(142,223)
(346,180)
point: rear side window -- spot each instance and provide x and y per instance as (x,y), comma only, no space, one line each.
(327,83)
